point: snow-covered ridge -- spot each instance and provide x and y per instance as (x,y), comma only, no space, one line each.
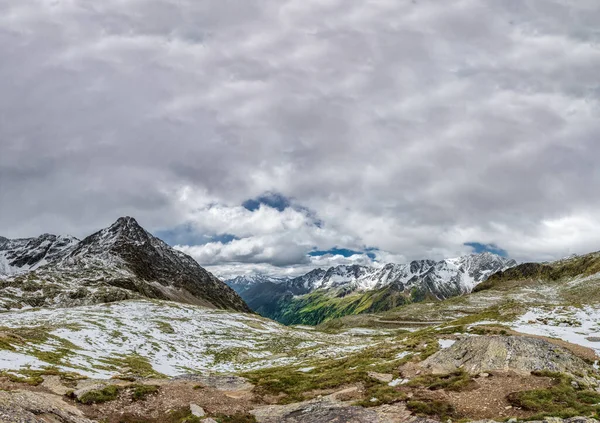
(459,275)
(26,254)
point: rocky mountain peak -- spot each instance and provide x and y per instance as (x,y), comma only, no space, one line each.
(119,262)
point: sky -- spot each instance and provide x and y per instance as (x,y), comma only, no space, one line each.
(275,136)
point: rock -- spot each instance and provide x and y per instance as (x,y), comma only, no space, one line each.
(523,355)
(329,409)
(484,375)
(381,377)
(324,410)
(37,407)
(197,410)
(221,383)
(78,393)
(55,385)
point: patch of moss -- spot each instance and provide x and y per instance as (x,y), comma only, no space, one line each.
(440,409)
(378,394)
(456,381)
(35,377)
(165,327)
(561,400)
(140,392)
(235,418)
(134,366)
(109,393)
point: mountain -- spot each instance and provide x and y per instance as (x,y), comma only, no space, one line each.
(321,295)
(120,262)
(26,254)
(242,283)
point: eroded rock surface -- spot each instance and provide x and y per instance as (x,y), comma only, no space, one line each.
(505,353)
(36,407)
(330,409)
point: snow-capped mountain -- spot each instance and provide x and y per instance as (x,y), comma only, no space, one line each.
(342,290)
(120,262)
(242,283)
(458,274)
(26,254)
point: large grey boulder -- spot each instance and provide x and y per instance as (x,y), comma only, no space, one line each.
(506,353)
(37,407)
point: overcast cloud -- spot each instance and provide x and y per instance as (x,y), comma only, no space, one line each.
(396,128)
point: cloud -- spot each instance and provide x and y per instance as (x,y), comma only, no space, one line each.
(411,126)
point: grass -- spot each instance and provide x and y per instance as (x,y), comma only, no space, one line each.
(294,386)
(109,393)
(379,394)
(35,377)
(165,327)
(455,381)
(561,400)
(235,418)
(440,409)
(132,366)
(140,392)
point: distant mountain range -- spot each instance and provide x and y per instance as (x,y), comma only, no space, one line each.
(120,262)
(324,294)
(245,282)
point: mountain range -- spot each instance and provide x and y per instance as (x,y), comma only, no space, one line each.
(324,294)
(120,262)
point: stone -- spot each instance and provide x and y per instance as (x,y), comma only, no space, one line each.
(519,354)
(78,393)
(197,410)
(55,385)
(37,407)
(381,377)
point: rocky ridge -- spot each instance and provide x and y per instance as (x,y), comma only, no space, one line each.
(120,262)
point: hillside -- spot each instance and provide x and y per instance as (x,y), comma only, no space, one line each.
(120,262)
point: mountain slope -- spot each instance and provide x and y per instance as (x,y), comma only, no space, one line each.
(173,339)
(120,262)
(343,290)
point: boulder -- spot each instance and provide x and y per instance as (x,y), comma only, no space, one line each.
(197,411)
(381,377)
(37,407)
(480,354)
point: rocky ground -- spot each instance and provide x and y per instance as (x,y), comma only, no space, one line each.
(462,377)
(511,352)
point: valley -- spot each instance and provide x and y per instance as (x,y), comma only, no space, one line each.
(322,295)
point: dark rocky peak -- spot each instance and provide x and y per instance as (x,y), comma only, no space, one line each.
(110,240)
(419,266)
(125,229)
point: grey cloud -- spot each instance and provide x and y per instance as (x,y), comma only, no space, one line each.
(412,126)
